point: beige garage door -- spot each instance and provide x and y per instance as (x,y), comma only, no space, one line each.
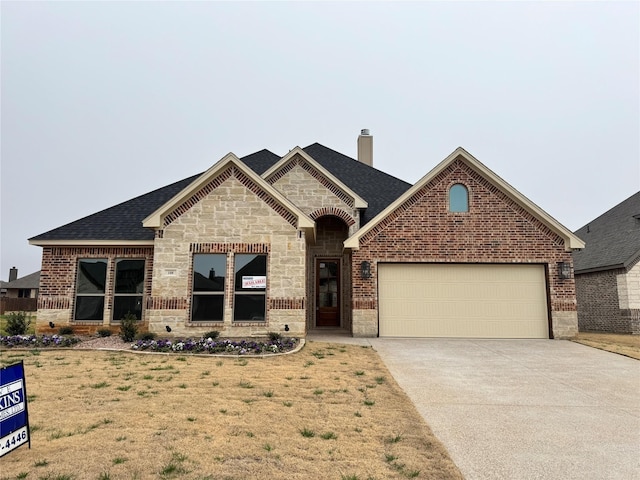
(462,300)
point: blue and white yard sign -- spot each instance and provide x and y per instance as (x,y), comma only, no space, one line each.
(14,418)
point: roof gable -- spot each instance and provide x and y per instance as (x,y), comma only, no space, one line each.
(297,156)
(571,241)
(378,188)
(612,239)
(229,165)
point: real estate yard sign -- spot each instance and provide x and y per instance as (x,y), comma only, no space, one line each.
(14,418)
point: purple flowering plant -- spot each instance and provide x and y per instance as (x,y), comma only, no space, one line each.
(33,341)
(210,345)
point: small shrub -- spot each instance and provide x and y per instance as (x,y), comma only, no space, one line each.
(66,330)
(128,327)
(274,336)
(213,334)
(146,336)
(17,323)
(104,332)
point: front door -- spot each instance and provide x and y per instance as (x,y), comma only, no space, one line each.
(328,293)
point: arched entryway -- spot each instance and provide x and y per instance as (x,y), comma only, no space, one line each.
(329,280)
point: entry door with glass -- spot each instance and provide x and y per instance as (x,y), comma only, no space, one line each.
(328,293)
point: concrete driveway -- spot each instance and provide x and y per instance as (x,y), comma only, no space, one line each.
(523,409)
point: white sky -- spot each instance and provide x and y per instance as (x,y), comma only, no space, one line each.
(105,101)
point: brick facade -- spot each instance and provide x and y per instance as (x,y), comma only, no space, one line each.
(494,230)
(58,285)
(609,301)
(235,213)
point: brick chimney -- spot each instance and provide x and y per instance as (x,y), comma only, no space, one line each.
(13,274)
(365,147)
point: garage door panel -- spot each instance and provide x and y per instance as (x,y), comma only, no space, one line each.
(457,300)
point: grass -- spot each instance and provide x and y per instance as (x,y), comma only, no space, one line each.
(265,418)
(628,345)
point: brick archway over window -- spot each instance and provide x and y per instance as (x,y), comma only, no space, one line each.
(336,212)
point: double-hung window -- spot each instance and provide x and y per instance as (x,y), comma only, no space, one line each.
(90,289)
(128,289)
(249,303)
(209,272)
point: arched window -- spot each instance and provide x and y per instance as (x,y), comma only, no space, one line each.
(458,198)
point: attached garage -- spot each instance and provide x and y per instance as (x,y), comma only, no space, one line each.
(462,300)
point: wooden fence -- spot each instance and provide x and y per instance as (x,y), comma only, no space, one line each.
(9,304)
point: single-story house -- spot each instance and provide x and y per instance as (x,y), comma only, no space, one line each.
(607,271)
(19,294)
(313,240)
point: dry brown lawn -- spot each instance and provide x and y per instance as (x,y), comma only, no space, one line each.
(628,345)
(327,412)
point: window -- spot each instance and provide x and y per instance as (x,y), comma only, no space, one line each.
(458,198)
(129,286)
(250,288)
(209,272)
(90,289)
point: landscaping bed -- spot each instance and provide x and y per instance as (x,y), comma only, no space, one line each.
(236,346)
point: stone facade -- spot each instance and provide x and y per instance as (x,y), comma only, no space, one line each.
(330,236)
(494,230)
(609,300)
(314,194)
(231,220)
(235,213)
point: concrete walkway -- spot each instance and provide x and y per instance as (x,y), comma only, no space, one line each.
(521,409)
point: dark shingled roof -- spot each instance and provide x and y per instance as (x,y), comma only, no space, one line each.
(612,240)
(28,281)
(377,188)
(124,221)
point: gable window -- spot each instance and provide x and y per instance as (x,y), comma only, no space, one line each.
(90,289)
(249,304)
(458,198)
(209,272)
(129,287)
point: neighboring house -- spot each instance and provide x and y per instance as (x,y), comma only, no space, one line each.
(315,240)
(607,271)
(19,294)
